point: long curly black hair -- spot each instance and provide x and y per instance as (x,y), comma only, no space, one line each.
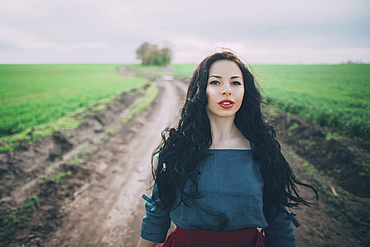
(185,146)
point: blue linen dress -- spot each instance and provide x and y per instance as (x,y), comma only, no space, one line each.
(232,188)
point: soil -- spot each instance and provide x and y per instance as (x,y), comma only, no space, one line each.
(98,202)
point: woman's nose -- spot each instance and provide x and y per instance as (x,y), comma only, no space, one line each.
(226,90)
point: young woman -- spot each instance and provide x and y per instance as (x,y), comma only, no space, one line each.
(220,176)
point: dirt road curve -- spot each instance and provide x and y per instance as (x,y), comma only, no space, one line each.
(108,209)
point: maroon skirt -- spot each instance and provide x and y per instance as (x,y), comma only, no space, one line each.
(250,237)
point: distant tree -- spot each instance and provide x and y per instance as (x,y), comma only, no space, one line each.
(150,54)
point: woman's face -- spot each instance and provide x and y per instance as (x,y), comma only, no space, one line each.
(225,89)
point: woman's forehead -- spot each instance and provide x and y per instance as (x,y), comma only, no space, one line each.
(225,68)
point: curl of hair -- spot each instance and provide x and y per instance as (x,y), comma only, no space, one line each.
(184,147)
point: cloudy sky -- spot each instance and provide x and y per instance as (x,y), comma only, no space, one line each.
(260,31)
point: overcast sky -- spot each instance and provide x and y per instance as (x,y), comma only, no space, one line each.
(260,31)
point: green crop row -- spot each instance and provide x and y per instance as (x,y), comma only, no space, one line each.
(336,96)
(31,95)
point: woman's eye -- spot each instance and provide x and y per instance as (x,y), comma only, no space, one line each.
(236,83)
(214,82)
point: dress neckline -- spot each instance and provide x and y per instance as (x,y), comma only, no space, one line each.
(228,149)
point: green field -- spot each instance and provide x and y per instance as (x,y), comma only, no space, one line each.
(336,96)
(31,95)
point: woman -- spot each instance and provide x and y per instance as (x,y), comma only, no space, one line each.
(220,176)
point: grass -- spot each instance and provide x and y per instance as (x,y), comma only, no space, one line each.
(181,71)
(11,219)
(59,178)
(336,96)
(31,95)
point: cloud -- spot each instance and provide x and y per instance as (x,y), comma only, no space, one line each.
(112,29)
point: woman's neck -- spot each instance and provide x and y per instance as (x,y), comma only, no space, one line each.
(225,134)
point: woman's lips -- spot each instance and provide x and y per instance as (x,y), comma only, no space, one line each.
(226,103)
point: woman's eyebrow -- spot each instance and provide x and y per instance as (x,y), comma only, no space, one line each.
(217,76)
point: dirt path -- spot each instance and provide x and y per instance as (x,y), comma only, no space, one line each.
(108,210)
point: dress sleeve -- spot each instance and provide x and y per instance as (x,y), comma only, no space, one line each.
(280,232)
(156,222)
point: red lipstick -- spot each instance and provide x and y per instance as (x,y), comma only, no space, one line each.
(226,103)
